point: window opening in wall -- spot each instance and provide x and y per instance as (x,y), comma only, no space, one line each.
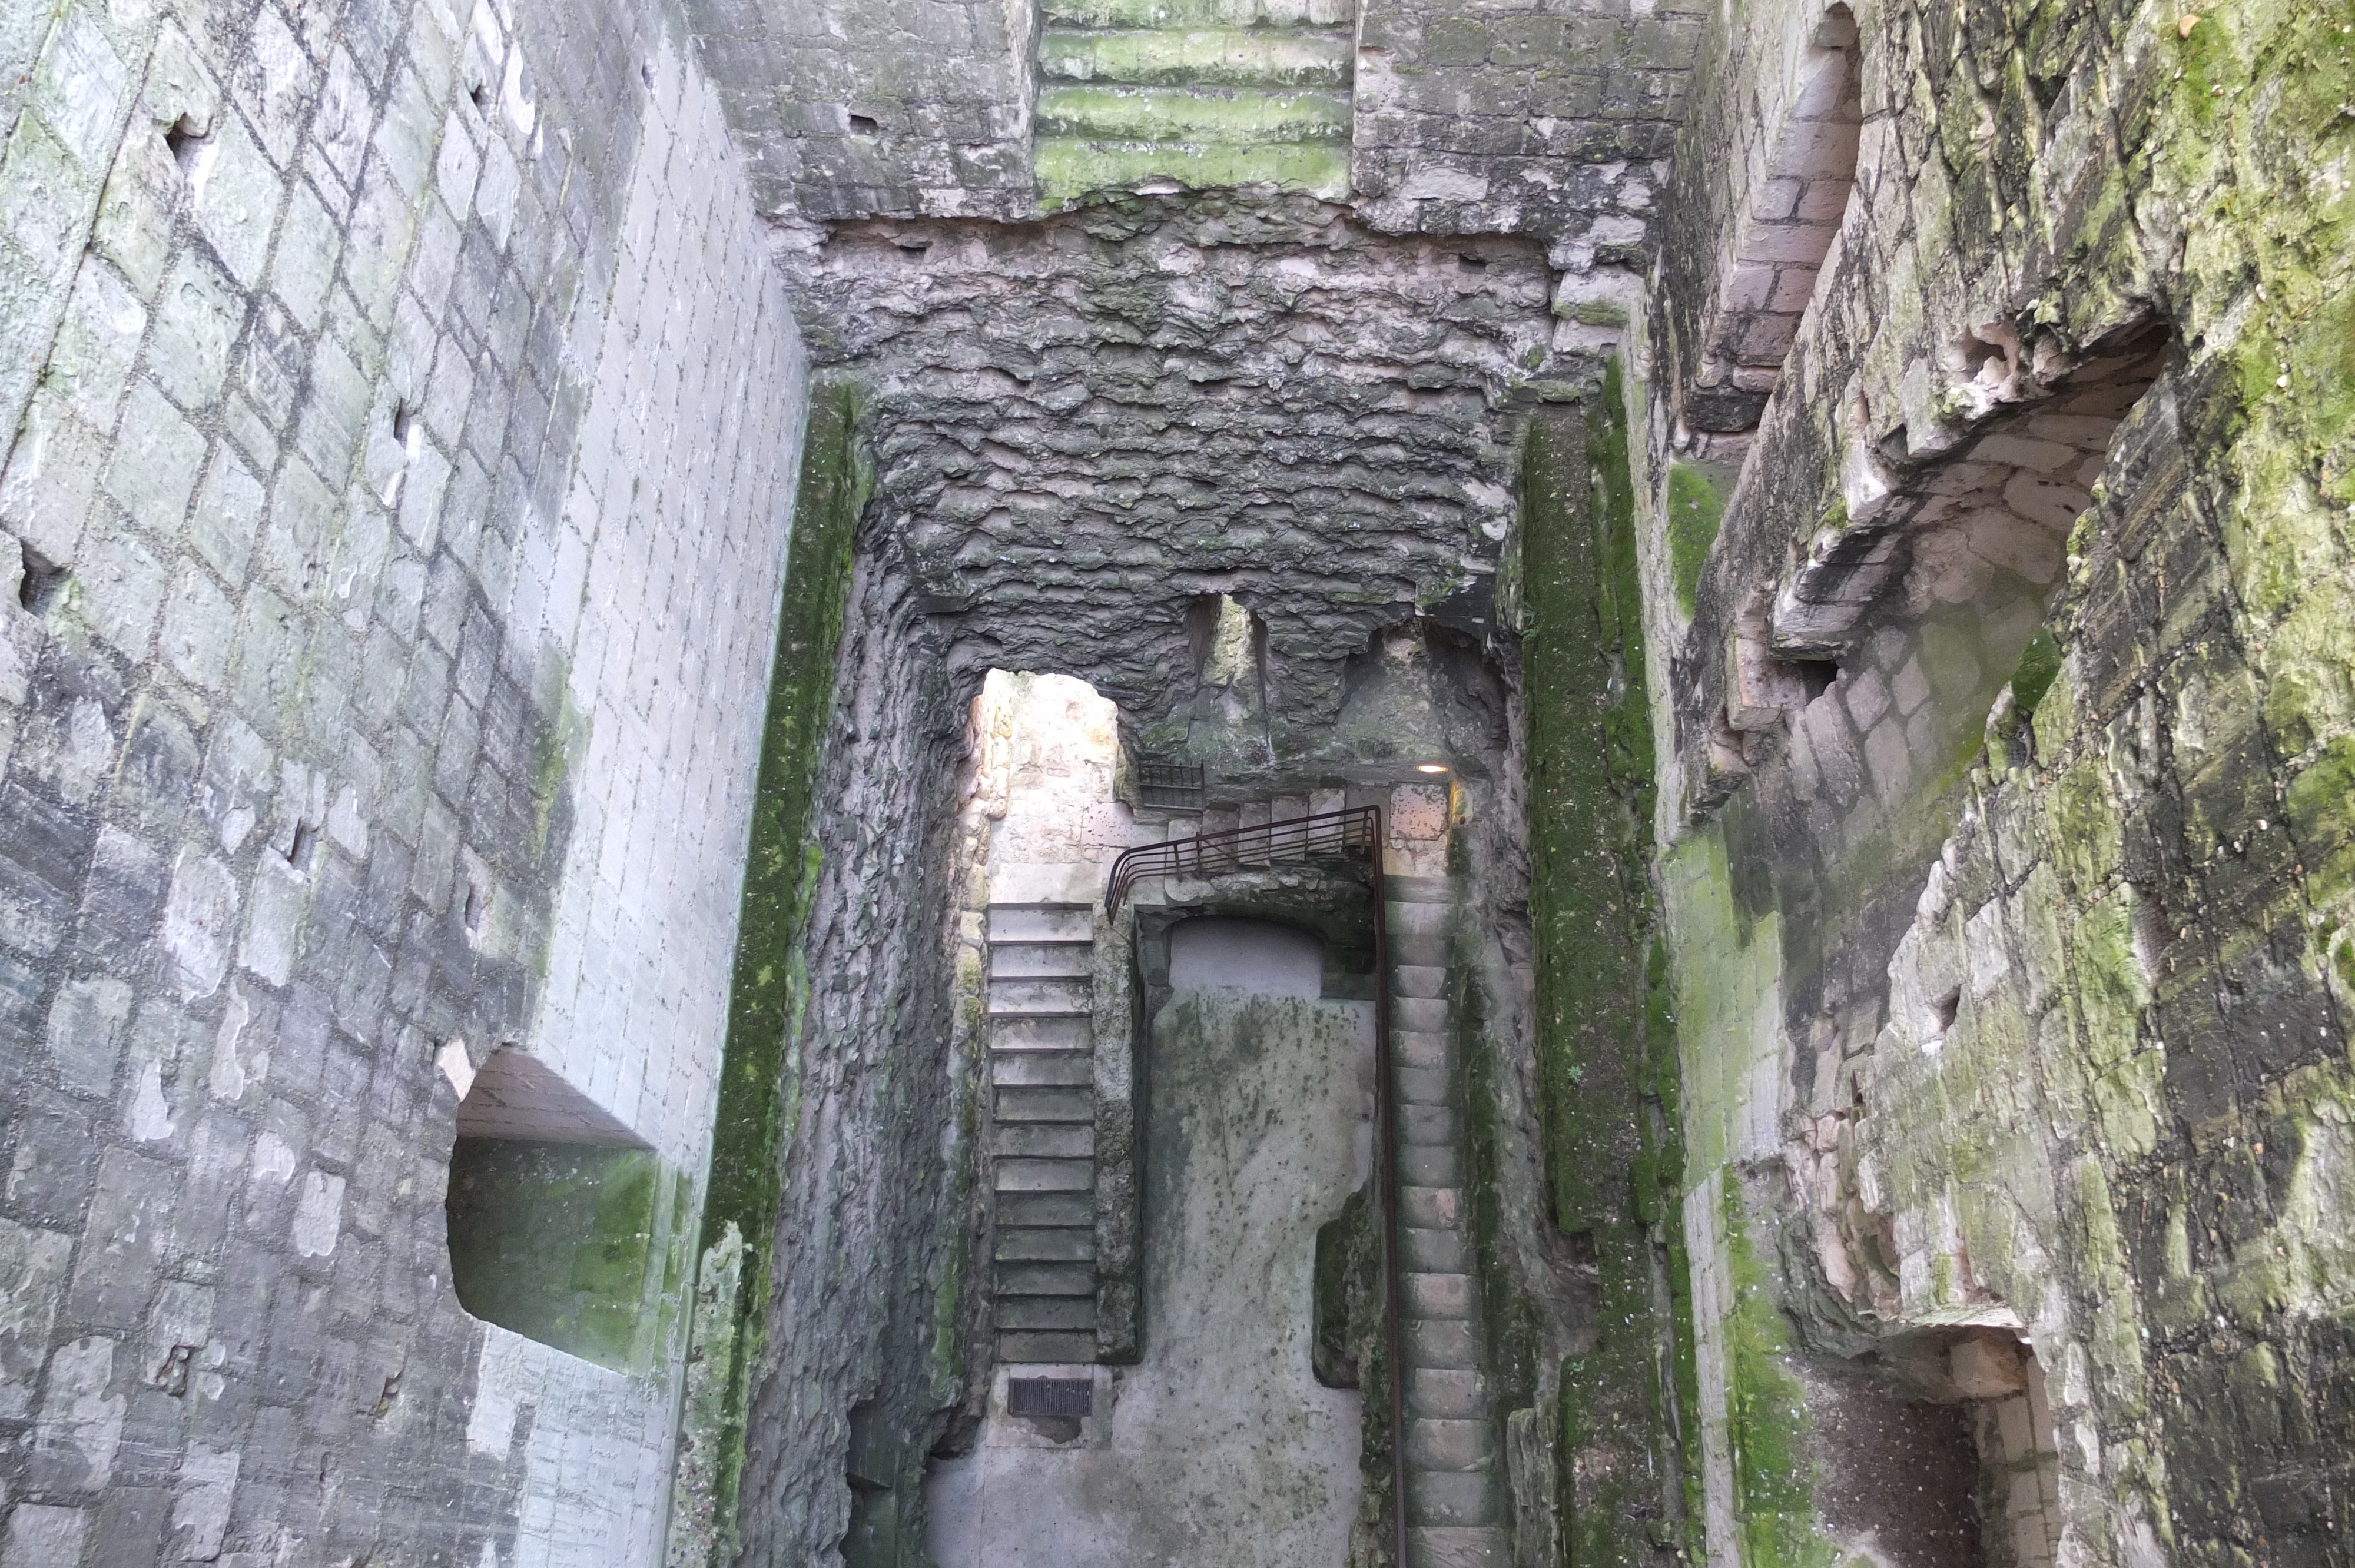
(478,902)
(190,146)
(872,1470)
(564,1226)
(865,125)
(300,849)
(480,96)
(1172,785)
(42,585)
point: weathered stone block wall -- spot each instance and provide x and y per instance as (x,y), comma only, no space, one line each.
(389,386)
(854,109)
(1544,119)
(2080,344)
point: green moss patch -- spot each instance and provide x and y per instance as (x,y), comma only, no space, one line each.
(2038,667)
(1606,1043)
(760,1077)
(1768,1429)
(1696,507)
(566,1244)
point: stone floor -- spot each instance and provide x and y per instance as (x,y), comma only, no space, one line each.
(1219,1450)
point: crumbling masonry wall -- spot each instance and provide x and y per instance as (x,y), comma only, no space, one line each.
(402,409)
(2042,1026)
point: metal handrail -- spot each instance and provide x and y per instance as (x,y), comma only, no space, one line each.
(1356,830)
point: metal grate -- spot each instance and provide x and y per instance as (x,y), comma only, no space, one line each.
(1057,1398)
(1174,786)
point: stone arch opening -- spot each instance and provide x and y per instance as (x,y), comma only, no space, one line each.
(1938,1449)
(1924,588)
(563,1224)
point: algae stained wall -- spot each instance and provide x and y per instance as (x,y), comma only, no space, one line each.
(2066,1052)
(1607,1076)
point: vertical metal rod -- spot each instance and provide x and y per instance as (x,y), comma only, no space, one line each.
(1386,1118)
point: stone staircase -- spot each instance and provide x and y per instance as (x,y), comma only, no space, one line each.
(1455,1492)
(1042,1130)
(1194,92)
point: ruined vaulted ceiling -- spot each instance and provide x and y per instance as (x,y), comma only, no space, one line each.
(1083,425)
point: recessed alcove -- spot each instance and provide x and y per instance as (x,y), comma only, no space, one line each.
(564,1226)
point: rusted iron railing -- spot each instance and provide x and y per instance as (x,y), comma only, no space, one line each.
(1357,831)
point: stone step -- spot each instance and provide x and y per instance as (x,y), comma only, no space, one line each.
(1196,13)
(1432,1208)
(1045,1312)
(1041,960)
(1041,998)
(1440,1342)
(1070,165)
(1419,889)
(1420,1014)
(1427,1126)
(1430,1444)
(1045,1278)
(1024,1347)
(1060,1244)
(1043,1175)
(1453,1547)
(1044,1140)
(1435,1252)
(1436,1298)
(1456,1393)
(1042,923)
(1418,952)
(1421,1087)
(1023,1104)
(1025,1031)
(1416,1048)
(1424,1166)
(1041,1068)
(1418,979)
(1046,1210)
(1453,1497)
(1416,919)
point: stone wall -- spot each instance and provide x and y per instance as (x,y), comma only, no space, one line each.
(851,109)
(866,1340)
(1539,117)
(388,385)
(1998,967)
(1543,119)
(1086,425)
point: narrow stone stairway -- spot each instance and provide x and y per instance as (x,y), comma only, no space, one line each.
(1042,1130)
(1455,1496)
